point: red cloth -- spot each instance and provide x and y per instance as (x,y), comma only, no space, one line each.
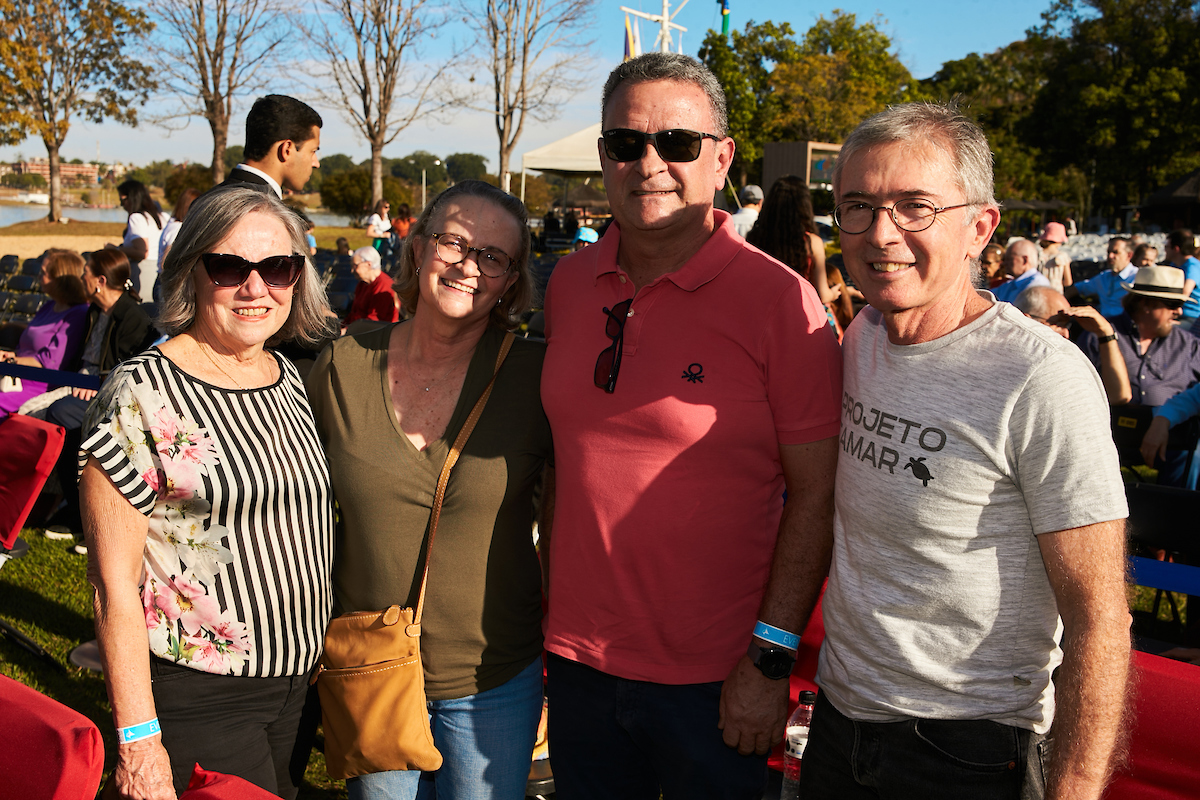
(1164,757)
(29,447)
(50,751)
(375,301)
(206,785)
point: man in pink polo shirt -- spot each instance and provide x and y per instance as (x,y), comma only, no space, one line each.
(689,380)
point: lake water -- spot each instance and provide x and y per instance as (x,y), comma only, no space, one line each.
(12,214)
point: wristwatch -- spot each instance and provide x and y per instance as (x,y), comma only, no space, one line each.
(1112,337)
(774,662)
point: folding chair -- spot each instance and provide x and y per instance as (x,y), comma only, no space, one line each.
(1164,518)
(1164,753)
(51,752)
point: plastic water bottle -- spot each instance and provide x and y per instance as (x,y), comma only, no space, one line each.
(795,740)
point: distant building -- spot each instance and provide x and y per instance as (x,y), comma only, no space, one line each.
(72,174)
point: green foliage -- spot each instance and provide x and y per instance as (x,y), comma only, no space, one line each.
(236,155)
(349,192)
(153,174)
(191,176)
(466,166)
(409,168)
(743,66)
(65,59)
(779,89)
(26,180)
(338,162)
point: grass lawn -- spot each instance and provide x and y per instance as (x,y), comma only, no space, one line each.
(46,596)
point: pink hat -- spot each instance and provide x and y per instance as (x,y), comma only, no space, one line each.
(1055,232)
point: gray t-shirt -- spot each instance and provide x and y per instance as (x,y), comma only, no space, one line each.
(956,454)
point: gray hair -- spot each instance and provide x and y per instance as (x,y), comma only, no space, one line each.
(943,126)
(1035,301)
(517,300)
(209,221)
(670,67)
(370,255)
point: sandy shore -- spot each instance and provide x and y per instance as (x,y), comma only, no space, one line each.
(30,246)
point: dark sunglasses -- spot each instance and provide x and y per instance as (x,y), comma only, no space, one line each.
(278,272)
(609,362)
(677,145)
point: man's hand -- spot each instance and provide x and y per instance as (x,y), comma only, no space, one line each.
(753,709)
(1089,319)
(143,771)
(1154,443)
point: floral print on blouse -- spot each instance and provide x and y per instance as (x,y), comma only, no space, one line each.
(184,555)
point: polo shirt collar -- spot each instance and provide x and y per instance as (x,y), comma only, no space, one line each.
(721,248)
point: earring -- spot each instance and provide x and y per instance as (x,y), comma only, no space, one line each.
(499,299)
(418,270)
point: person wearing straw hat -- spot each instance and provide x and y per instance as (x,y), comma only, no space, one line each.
(1161,358)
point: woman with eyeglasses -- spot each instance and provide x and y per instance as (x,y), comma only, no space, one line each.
(55,334)
(389,403)
(143,234)
(208,514)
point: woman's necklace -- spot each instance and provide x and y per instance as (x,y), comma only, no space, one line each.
(222,369)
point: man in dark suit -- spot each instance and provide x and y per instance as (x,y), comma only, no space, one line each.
(282,139)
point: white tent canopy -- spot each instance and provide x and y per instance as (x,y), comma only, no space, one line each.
(576,155)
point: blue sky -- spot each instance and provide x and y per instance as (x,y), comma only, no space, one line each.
(924,36)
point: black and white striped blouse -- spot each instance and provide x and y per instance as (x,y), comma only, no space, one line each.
(236,570)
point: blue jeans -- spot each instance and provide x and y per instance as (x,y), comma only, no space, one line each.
(920,758)
(486,741)
(616,738)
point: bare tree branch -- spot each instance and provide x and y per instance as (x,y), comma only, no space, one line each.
(536,60)
(213,51)
(370,69)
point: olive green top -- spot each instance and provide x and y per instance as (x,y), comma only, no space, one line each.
(483,606)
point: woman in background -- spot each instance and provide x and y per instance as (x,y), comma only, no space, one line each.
(379,228)
(175,222)
(143,232)
(117,329)
(786,230)
(55,334)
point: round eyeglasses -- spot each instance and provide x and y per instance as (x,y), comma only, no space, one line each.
(453,249)
(908,215)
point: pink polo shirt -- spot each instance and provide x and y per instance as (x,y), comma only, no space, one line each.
(670,490)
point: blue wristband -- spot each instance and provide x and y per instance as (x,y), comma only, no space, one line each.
(135,732)
(769,633)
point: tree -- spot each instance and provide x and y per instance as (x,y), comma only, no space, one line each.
(532,50)
(845,73)
(214,50)
(371,52)
(1124,105)
(349,193)
(743,65)
(419,162)
(236,154)
(187,176)
(153,174)
(63,59)
(466,166)
(25,180)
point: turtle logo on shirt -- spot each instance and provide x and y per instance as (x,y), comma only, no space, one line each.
(919,470)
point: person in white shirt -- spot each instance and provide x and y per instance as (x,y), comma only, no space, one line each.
(744,218)
(143,230)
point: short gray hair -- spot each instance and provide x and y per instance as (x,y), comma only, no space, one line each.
(370,255)
(670,67)
(516,301)
(209,221)
(1035,301)
(941,125)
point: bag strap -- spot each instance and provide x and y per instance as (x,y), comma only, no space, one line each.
(451,460)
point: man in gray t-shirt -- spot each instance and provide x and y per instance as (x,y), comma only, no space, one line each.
(979,506)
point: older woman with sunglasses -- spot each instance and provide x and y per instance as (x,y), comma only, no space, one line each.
(208,513)
(389,403)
